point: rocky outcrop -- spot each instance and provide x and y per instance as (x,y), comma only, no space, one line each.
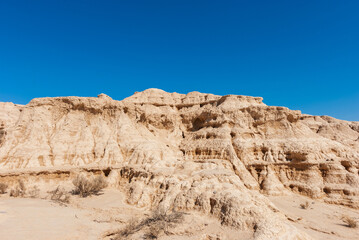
(202,152)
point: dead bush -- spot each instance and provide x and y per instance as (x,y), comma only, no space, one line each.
(88,186)
(156,224)
(169,219)
(22,186)
(34,192)
(3,187)
(154,231)
(19,190)
(350,222)
(305,205)
(60,195)
(129,229)
(99,183)
(15,192)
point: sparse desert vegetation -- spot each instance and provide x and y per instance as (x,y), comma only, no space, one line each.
(3,188)
(86,186)
(350,222)
(107,212)
(34,191)
(159,222)
(60,195)
(305,205)
(19,190)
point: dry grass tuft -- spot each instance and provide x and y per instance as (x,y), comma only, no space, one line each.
(60,195)
(162,216)
(129,229)
(19,190)
(88,186)
(350,222)
(154,231)
(3,187)
(156,224)
(305,205)
(34,192)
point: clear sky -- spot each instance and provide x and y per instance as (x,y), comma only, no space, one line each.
(295,53)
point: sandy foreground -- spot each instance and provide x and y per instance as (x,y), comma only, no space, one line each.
(320,220)
(28,218)
(93,217)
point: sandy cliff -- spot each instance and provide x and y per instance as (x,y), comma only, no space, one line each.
(216,155)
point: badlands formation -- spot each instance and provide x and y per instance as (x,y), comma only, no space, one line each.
(222,159)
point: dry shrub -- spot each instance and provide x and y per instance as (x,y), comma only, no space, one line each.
(60,195)
(34,192)
(88,186)
(168,219)
(304,205)
(3,187)
(157,223)
(129,229)
(22,186)
(154,231)
(15,192)
(350,222)
(19,190)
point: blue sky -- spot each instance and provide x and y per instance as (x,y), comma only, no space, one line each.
(300,54)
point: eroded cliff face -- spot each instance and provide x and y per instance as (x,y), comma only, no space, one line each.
(202,152)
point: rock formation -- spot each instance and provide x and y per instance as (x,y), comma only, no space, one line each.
(213,154)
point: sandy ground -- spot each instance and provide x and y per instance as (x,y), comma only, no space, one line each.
(92,218)
(24,218)
(320,220)
(87,218)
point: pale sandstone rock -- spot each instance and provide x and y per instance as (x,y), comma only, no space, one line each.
(195,152)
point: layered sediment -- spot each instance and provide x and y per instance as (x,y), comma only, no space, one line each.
(218,155)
